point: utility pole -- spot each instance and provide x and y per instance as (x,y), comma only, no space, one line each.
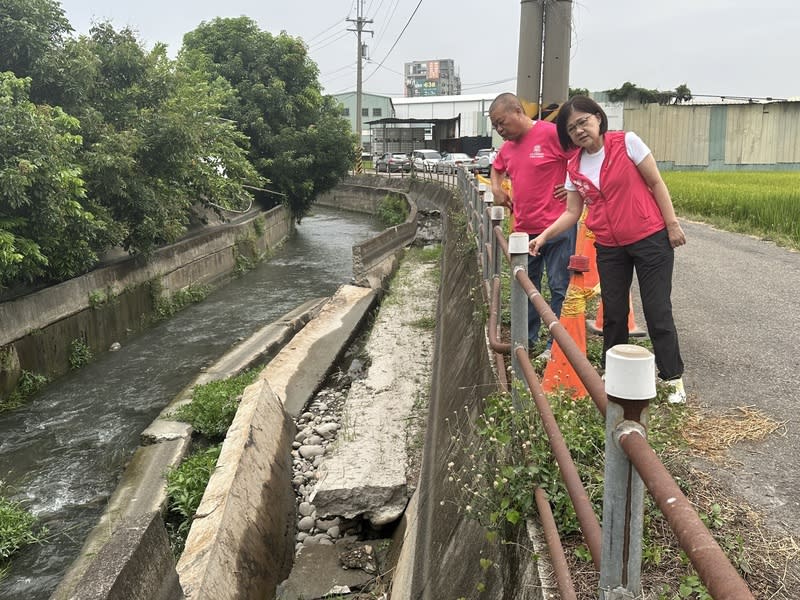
(359,21)
(545,31)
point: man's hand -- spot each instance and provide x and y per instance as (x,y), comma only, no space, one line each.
(536,244)
(560,192)
(501,197)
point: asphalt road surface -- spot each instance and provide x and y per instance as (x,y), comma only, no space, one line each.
(737,308)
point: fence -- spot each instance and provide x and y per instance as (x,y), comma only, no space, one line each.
(631,464)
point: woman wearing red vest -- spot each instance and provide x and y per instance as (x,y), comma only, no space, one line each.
(635,227)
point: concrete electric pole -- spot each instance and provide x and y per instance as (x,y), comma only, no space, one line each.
(545,30)
(359,21)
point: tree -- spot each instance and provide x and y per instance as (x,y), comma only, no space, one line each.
(298,139)
(48,227)
(29,31)
(630,91)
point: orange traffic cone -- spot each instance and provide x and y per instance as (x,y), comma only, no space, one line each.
(559,373)
(596,327)
(591,279)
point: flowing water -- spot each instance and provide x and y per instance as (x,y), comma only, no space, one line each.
(63,453)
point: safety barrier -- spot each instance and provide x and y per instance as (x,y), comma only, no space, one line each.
(631,465)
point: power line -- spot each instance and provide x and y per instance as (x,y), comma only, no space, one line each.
(396,41)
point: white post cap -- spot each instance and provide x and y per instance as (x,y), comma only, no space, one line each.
(630,372)
(498,213)
(488,197)
(518,243)
(481,187)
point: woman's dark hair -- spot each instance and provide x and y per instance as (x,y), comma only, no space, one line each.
(578,104)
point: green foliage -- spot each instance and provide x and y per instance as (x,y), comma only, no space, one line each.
(298,139)
(760,203)
(630,91)
(185,487)
(214,405)
(47,227)
(79,353)
(29,384)
(166,306)
(392,210)
(29,31)
(17,530)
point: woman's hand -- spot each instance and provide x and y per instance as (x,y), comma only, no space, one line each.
(675,234)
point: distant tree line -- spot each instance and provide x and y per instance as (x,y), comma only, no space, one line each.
(105,143)
(632,92)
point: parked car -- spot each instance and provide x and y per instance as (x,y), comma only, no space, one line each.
(392,163)
(452,161)
(484,159)
(425,160)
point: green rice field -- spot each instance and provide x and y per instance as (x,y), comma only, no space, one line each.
(766,204)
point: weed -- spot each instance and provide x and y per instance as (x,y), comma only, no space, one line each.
(165,307)
(79,353)
(428,323)
(17,530)
(214,405)
(392,209)
(259,226)
(185,487)
(28,385)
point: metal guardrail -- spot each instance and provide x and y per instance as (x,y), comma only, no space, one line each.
(631,463)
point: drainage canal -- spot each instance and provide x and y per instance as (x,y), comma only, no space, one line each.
(62,454)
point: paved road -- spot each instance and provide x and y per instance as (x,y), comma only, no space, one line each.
(737,307)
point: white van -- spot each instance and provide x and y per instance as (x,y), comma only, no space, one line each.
(425,160)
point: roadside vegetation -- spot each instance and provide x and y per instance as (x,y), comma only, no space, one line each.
(504,454)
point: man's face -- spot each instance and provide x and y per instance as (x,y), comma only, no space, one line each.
(508,122)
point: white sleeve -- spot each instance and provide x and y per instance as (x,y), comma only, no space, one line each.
(637,149)
(569,186)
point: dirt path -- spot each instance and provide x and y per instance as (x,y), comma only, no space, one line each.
(737,309)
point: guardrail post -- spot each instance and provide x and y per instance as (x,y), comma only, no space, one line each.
(518,249)
(486,233)
(630,384)
(498,214)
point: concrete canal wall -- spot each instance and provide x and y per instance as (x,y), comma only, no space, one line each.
(104,306)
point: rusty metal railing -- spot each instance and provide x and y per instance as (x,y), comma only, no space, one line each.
(625,441)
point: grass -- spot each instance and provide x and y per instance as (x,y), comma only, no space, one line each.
(765,204)
(214,404)
(17,530)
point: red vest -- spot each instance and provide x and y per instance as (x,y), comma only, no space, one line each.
(623,210)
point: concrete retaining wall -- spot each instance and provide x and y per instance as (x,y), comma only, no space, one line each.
(241,543)
(105,305)
(444,561)
(376,258)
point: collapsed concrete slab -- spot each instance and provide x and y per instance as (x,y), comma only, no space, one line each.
(300,368)
(242,538)
(365,475)
(322,571)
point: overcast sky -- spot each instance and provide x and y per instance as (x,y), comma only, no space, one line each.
(716,47)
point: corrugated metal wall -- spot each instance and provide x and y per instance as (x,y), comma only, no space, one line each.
(720,137)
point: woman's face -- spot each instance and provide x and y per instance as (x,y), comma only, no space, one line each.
(584,130)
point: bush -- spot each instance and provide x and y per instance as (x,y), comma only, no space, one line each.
(186,485)
(392,210)
(214,405)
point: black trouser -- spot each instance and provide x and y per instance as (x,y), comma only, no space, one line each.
(653,258)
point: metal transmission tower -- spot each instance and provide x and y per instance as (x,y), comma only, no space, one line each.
(359,21)
(545,29)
